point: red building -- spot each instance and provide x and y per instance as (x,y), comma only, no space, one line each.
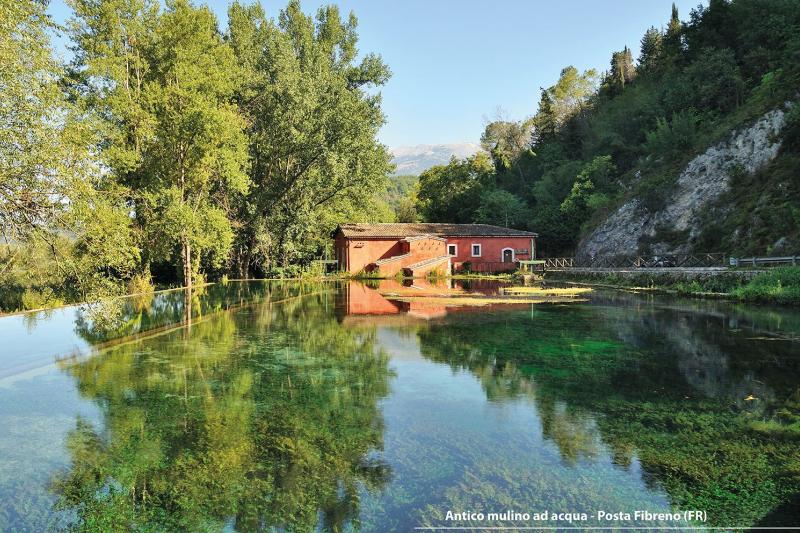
(417,249)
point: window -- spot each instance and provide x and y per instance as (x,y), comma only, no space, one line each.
(476,250)
(452,249)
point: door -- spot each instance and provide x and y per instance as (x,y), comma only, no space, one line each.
(508,255)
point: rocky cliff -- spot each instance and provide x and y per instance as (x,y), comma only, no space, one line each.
(699,186)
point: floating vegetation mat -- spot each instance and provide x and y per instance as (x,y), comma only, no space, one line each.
(567,292)
(423,292)
(477,300)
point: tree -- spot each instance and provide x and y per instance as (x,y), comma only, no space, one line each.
(502,208)
(312,129)
(452,192)
(506,141)
(673,39)
(722,91)
(622,70)
(593,178)
(164,83)
(651,50)
(568,96)
(406,211)
(53,195)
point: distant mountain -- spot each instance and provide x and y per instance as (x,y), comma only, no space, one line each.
(417,159)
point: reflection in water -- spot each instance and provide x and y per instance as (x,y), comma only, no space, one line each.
(266,416)
(307,407)
(711,413)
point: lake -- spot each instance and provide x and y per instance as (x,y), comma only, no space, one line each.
(294,406)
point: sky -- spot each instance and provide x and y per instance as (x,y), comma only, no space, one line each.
(457,63)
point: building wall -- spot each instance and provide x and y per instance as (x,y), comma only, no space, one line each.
(355,255)
(362,300)
(491,249)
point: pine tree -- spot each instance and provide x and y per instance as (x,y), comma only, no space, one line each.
(622,70)
(673,40)
(651,50)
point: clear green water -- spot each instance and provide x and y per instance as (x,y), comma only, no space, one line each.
(277,408)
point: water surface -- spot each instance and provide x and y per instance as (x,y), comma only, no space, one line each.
(313,407)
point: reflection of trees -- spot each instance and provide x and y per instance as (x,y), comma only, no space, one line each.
(146,312)
(624,377)
(264,417)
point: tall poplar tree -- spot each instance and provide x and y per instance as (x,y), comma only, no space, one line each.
(313,120)
(163,84)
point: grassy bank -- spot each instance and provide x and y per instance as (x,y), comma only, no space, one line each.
(778,285)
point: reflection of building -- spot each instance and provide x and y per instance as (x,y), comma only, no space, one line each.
(358,299)
(416,249)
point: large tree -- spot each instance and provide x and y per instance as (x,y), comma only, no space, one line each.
(312,122)
(452,192)
(163,82)
(568,96)
(53,195)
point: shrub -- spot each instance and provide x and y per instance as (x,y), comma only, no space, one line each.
(673,137)
(791,130)
(141,283)
(781,285)
(40,298)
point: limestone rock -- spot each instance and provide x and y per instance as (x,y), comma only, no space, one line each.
(702,182)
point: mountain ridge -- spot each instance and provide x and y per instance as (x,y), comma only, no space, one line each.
(415,159)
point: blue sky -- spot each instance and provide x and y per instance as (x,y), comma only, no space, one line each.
(455,62)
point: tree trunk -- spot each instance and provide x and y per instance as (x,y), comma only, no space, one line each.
(186,259)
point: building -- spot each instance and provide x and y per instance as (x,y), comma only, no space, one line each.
(419,248)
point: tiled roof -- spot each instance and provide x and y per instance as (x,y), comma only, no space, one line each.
(392,230)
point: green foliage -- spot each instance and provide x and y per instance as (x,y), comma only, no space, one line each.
(791,130)
(501,208)
(651,51)
(781,285)
(673,137)
(176,138)
(69,225)
(313,122)
(695,82)
(451,193)
(141,284)
(722,91)
(564,100)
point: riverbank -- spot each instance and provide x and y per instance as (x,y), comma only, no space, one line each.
(777,285)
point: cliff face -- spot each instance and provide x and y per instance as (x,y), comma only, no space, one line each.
(704,180)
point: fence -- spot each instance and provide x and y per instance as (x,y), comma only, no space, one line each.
(765,261)
(640,261)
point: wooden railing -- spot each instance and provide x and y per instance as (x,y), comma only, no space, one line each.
(559,262)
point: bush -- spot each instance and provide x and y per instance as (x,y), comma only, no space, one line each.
(781,285)
(674,137)
(791,130)
(287,272)
(141,283)
(40,299)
